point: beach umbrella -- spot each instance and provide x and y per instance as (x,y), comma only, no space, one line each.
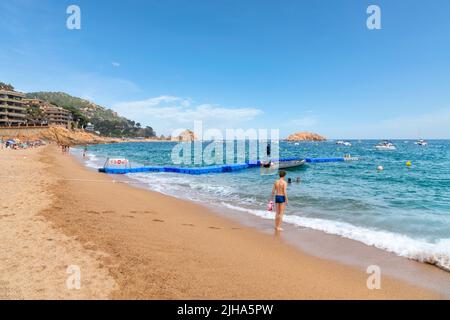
(10,142)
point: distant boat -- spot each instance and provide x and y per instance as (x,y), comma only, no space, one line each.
(284,164)
(344,143)
(421,142)
(385,145)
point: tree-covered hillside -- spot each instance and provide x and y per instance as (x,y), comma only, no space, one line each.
(106,121)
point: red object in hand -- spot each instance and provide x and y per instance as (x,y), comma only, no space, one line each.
(270,206)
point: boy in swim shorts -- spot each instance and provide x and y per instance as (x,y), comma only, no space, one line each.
(281,199)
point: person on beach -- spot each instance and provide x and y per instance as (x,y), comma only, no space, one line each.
(85,152)
(281,199)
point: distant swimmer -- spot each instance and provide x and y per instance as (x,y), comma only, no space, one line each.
(281,199)
(298,180)
(85,152)
(268,149)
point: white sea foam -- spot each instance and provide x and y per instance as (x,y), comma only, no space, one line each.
(93,161)
(191,187)
(417,249)
(218,190)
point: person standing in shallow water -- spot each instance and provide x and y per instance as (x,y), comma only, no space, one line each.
(281,199)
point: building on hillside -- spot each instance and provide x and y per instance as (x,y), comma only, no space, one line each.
(12,109)
(89,127)
(49,113)
(57,116)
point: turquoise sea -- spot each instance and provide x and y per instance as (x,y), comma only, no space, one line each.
(403,210)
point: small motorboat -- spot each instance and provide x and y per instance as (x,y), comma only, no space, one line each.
(291,164)
(421,142)
(283,164)
(344,143)
(385,145)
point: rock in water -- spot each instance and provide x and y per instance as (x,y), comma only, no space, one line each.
(186,135)
(305,136)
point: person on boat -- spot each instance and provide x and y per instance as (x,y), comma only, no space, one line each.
(281,199)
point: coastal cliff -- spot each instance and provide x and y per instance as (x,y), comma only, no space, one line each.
(59,135)
(186,135)
(305,136)
(74,137)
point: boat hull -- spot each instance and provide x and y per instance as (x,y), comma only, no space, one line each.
(291,164)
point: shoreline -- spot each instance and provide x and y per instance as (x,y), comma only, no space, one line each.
(159,247)
(324,245)
(216,212)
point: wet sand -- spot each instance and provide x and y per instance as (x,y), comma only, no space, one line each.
(136,244)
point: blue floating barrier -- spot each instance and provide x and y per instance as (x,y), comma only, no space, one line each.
(212,169)
(324,160)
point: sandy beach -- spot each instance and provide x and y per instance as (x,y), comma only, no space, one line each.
(135,244)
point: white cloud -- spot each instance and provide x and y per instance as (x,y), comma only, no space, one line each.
(143,105)
(165,113)
(115,64)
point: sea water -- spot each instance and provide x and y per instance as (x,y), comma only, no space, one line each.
(403,210)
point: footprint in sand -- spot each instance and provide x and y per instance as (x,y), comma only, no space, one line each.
(108,211)
(157,220)
(128,216)
(188,224)
(215,228)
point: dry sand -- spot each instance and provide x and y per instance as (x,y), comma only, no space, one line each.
(35,256)
(136,244)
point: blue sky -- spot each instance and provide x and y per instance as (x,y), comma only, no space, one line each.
(292,65)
